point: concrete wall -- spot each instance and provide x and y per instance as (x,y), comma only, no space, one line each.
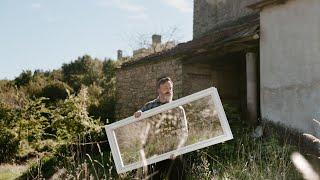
(209,14)
(290,64)
(136,85)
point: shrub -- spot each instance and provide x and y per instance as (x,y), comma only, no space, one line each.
(9,144)
(32,120)
(71,118)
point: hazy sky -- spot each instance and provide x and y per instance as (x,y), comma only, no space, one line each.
(44,34)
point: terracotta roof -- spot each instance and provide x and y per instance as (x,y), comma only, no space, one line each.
(239,31)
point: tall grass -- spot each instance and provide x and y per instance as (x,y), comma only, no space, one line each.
(241,158)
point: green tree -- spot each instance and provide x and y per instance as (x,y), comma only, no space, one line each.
(109,69)
(105,104)
(24,78)
(83,71)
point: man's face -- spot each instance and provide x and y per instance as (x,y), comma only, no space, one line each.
(165,91)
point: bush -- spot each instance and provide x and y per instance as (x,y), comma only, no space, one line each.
(105,110)
(32,120)
(71,119)
(9,144)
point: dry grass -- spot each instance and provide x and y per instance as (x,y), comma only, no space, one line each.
(11,171)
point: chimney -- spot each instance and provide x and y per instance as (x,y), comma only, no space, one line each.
(156,39)
(119,54)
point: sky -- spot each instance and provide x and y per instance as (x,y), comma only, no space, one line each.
(44,34)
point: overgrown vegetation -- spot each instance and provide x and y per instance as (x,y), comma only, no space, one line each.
(52,121)
(41,112)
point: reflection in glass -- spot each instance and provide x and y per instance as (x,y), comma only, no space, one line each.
(169,130)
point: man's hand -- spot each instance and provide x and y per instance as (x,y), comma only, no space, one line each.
(137,114)
(173,157)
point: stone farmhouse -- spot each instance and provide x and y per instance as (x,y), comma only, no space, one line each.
(262,55)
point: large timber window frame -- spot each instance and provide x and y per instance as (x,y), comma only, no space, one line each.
(210,93)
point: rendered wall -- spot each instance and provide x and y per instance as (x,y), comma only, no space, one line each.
(290,64)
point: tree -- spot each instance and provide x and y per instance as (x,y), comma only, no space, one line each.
(143,40)
(24,78)
(109,69)
(84,70)
(105,106)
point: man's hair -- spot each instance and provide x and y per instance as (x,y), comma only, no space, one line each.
(162,81)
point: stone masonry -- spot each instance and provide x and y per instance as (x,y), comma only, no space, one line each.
(136,84)
(209,14)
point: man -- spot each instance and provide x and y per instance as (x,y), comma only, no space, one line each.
(165,92)
(173,167)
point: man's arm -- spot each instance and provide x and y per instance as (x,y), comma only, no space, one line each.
(138,113)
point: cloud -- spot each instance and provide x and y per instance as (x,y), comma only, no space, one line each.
(140,16)
(128,6)
(184,6)
(51,20)
(125,5)
(137,11)
(36,5)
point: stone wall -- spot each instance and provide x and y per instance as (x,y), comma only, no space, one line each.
(209,14)
(136,84)
(197,77)
(290,66)
(224,75)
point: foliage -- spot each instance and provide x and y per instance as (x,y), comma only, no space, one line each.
(11,96)
(109,69)
(55,90)
(9,144)
(32,120)
(104,109)
(70,162)
(84,70)
(103,99)
(71,119)
(24,78)
(39,112)
(8,138)
(6,116)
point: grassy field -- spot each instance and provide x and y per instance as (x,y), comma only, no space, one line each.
(244,157)
(11,171)
(241,158)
